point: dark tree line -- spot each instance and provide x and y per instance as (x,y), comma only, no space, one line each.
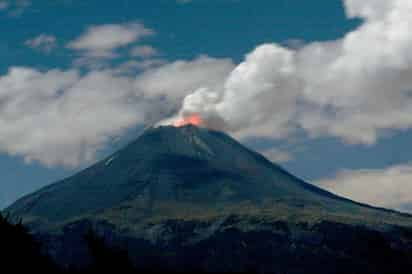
(21,253)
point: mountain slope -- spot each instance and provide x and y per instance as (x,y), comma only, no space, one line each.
(189,189)
(186,165)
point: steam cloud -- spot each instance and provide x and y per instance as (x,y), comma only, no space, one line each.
(354,88)
(64,118)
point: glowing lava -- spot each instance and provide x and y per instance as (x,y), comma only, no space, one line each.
(193,119)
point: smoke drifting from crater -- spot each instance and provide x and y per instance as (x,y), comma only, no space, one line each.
(194,119)
(355,88)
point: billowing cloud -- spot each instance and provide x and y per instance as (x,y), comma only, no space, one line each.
(64,117)
(44,42)
(175,80)
(355,88)
(179,78)
(389,188)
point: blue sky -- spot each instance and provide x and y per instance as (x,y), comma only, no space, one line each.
(209,39)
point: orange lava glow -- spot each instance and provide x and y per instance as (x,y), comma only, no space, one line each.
(193,119)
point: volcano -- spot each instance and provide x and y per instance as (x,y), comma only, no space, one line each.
(190,198)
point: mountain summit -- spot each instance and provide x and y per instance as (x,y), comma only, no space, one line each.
(180,166)
(181,189)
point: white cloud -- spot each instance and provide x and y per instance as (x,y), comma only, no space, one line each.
(389,188)
(355,88)
(179,78)
(62,118)
(43,42)
(134,67)
(110,36)
(151,63)
(102,41)
(245,102)
(144,51)
(175,80)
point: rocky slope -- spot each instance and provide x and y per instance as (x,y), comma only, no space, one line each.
(195,199)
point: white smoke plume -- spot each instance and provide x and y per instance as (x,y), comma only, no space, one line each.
(64,117)
(355,88)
